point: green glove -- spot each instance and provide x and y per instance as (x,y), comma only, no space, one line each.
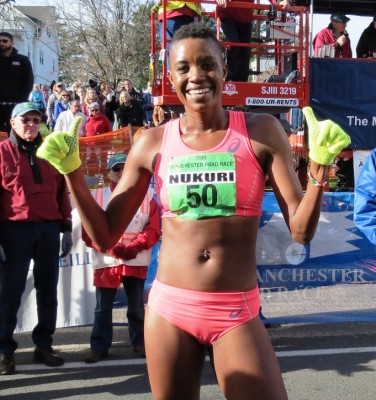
(325,138)
(60,149)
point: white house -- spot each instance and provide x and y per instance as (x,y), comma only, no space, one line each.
(35,35)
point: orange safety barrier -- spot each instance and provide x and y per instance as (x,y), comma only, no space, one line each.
(298,147)
(96,150)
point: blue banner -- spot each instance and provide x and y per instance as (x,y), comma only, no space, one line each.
(339,253)
(331,279)
(344,90)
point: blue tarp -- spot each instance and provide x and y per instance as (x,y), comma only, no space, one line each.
(339,254)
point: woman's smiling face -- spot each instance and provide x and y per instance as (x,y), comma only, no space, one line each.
(197,71)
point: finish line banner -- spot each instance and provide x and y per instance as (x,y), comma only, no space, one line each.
(343,90)
(330,279)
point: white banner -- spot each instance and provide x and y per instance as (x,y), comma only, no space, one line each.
(359,158)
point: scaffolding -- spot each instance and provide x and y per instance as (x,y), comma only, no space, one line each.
(280,80)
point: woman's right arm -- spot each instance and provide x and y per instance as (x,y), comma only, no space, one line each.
(103,227)
(106,227)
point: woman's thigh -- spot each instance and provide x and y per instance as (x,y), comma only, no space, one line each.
(174,358)
(246,365)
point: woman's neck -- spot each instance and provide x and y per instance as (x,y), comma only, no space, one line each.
(198,123)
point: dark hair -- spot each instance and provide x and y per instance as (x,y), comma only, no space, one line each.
(195,30)
(7,34)
(92,83)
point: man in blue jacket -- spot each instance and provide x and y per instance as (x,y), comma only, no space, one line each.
(16,79)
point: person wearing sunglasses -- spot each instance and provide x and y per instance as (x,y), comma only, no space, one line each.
(62,104)
(16,79)
(125,264)
(34,210)
(97,122)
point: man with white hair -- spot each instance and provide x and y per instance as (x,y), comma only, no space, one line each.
(65,118)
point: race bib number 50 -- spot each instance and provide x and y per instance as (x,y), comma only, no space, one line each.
(202,185)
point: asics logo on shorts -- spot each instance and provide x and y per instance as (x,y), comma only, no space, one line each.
(235,313)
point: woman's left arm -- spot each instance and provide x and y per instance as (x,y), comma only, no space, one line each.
(326,140)
(301,212)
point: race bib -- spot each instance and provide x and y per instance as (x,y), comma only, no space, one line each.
(202,185)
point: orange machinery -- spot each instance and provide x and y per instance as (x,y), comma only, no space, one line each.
(280,54)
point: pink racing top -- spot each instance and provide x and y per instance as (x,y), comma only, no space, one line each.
(223,181)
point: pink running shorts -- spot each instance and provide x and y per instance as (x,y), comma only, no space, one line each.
(204,315)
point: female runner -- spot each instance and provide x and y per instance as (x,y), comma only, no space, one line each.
(210,167)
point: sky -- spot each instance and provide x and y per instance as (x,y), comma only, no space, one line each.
(355,27)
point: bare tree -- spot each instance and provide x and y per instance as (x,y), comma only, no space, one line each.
(105,40)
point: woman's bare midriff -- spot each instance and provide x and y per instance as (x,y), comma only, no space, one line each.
(211,255)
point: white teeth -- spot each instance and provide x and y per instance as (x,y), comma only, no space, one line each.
(199,91)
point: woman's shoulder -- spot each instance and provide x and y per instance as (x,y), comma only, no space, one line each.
(258,120)
(149,143)
(152,136)
(265,129)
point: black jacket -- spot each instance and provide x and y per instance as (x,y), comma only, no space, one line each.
(16,78)
(130,114)
(367,42)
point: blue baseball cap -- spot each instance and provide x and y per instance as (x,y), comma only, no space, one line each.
(24,108)
(116,159)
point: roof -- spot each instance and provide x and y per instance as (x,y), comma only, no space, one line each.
(37,13)
(358,7)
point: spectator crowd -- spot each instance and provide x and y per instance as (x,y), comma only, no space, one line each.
(102,107)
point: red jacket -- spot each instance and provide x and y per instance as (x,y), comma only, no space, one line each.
(111,276)
(97,124)
(326,36)
(21,199)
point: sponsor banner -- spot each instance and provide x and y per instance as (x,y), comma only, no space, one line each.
(338,253)
(340,89)
(338,256)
